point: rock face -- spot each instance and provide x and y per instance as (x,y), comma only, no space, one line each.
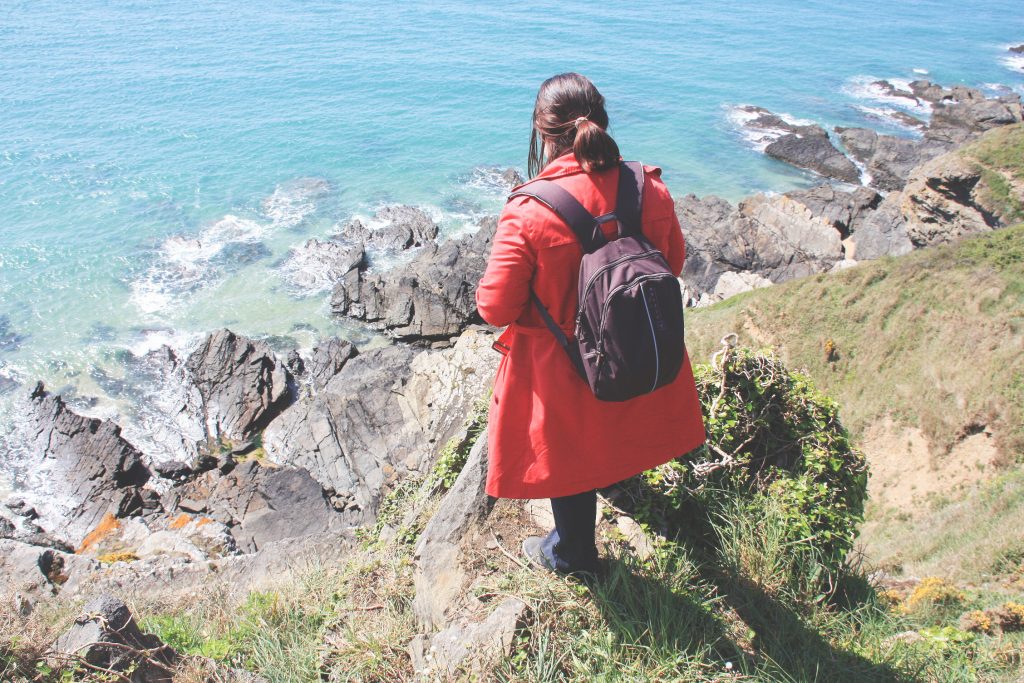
(327,360)
(467,645)
(971,114)
(91,464)
(945,200)
(106,636)
(383,415)
(223,395)
(241,385)
(439,577)
(32,572)
(882,233)
(958,115)
(844,210)
(776,238)
(260,505)
(430,298)
(813,151)
(887,159)
(404,227)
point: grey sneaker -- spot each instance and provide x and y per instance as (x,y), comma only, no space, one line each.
(534,551)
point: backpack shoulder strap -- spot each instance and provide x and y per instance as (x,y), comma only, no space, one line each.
(629,202)
(559,200)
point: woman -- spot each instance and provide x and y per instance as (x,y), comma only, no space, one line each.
(549,437)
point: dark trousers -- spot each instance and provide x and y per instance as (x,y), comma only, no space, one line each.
(570,547)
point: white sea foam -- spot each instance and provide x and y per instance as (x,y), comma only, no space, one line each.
(1014,62)
(314,266)
(185,263)
(890,117)
(490,179)
(866,88)
(921,72)
(292,201)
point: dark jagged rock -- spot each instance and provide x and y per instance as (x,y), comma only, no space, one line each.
(225,393)
(971,114)
(511,177)
(928,91)
(881,233)
(259,504)
(815,152)
(888,159)
(406,227)
(777,238)
(1017,49)
(90,462)
(430,298)
(842,209)
(327,360)
(241,385)
(106,636)
(892,91)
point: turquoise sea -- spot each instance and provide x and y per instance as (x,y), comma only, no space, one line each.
(159,159)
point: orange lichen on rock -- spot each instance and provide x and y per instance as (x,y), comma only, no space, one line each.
(108,525)
(203,521)
(180,521)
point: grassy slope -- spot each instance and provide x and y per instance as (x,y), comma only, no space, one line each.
(934,339)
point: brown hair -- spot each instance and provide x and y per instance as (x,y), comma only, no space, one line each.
(570,114)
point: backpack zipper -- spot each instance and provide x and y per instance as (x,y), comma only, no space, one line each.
(654,338)
(607,266)
(604,306)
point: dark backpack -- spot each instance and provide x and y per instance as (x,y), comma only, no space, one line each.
(629,325)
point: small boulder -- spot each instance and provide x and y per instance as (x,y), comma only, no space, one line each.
(106,636)
(474,646)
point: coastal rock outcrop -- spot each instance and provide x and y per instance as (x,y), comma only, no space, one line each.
(844,210)
(241,384)
(439,576)
(969,114)
(888,159)
(402,227)
(227,390)
(89,462)
(259,504)
(882,233)
(428,299)
(31,572)
(813,151)
(382,416)
(776,238)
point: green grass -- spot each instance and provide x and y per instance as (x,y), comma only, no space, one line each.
(934,339)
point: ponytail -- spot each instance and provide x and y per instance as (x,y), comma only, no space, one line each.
(570,115)
(593,148)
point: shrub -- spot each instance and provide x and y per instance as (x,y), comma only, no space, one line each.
(770,436)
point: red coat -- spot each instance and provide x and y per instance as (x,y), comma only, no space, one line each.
(548,435)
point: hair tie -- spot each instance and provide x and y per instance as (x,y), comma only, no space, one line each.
(579,121)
